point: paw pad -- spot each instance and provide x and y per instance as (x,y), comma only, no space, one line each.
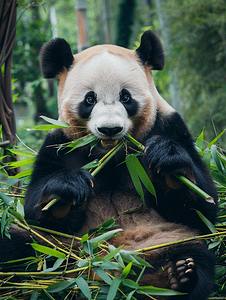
(181,276)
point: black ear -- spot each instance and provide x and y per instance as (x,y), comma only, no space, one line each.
(151,51)
(55,56)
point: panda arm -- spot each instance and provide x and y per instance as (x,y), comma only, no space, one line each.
(56,175)
(170,150)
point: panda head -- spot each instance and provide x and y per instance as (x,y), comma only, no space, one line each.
(106,90)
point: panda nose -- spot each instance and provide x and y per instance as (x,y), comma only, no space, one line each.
(109,131)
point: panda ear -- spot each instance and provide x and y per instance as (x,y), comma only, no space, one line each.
(55,56)
(151,51)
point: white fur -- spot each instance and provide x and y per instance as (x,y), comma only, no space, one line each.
(107,74)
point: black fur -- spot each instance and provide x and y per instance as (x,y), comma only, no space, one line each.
(151,51)
(55,56)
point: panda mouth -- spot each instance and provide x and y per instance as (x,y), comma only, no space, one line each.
(108,143)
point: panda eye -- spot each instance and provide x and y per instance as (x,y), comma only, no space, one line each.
(125,96)
(90,98)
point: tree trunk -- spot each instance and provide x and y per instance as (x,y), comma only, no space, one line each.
(107,21)
(82,23)
(165,29)
(7,39)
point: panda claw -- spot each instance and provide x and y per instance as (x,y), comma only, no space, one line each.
(189,271)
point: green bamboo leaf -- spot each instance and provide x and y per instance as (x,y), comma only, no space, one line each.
(143,262)
(93,164)
(133,173)
(113,252)
(34,295)
(55,122)
(23,152)
(216,139)
(6,199)
(102,274)
(143,175)
(199,141)
(56,265)
(82,284)
(16,214)
(21,163)
(206,222)
(47,250)
(81,142)
(109,265)
(88,247)
(126,270)
(151,290)
(23,174)
(45,127)
(105,236)
(217,160)
(45,293)
(62,285)
(130,295)
(130,283)
(108,224)
(3,221)
(221,179)
(113,288)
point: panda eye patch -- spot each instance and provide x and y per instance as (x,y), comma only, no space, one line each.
(128,102)
(86,106)
(90,98)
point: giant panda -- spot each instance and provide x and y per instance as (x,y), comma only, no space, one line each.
(109,91)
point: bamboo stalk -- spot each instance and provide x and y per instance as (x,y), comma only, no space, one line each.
(107,158)
(200,237)
(45,240)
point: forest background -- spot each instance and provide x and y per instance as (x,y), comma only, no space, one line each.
(193,33)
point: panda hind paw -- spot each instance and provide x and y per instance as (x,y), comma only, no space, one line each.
(182,276)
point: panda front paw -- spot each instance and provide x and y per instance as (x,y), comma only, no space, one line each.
(68,188)
(165,157)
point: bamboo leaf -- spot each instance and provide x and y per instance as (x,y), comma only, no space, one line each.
(151,290)
(62,285)
(130,283)
(105,236)
(217,160)
(7,199)
(102,274)
(81,142)
(143,175)
(21,163)
(47,250)
(93,164)
(130,295)
(133,173)
(216,139)
(206,222)
(23,174)
(199,141)
(23,152)
(56,265)
(221,179)
(113,288)
(109,266)
(44,127)
(113,252)
(126,270)
(82,284)
(3,221)
(55,122)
